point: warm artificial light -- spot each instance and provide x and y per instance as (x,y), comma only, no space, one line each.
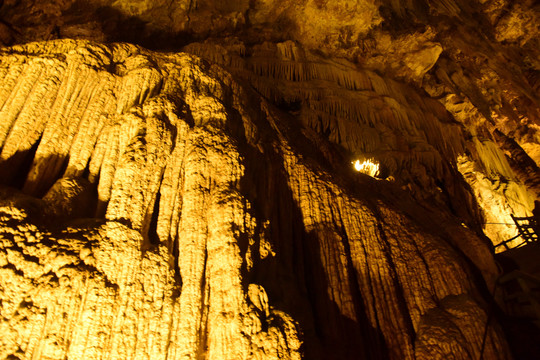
(367,167)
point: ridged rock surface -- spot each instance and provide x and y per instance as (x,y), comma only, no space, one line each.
(200,200)
(479,58)
(159,209)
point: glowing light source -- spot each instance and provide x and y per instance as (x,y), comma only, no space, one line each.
(367,167)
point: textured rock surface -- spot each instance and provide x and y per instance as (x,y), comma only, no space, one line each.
(478,58)
(201,203)
(217,229)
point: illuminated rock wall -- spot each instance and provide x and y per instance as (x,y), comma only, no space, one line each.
(200,200)
(158,209)
(478,58)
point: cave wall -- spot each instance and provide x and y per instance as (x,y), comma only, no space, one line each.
(204,197)
(479,59)
(199,201)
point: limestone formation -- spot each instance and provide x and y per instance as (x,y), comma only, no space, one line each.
(206,200)
(200,200)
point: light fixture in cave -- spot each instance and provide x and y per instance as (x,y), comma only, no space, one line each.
(367,167)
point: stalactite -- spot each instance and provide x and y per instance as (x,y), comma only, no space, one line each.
(350,96)
(190,252)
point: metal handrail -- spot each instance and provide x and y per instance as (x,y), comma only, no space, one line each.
(526,235)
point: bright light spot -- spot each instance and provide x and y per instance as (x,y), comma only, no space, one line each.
(367,167)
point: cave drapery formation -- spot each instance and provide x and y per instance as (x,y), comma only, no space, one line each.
(177,177)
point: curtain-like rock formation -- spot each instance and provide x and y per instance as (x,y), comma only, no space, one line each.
(165,211)
(199,200)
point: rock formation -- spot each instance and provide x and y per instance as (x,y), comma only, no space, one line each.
(199,200)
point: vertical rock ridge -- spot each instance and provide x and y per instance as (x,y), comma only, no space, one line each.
(248,210)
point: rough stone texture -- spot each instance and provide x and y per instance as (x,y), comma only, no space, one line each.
(157,271)
(478,58)
(217,230)
(201,202)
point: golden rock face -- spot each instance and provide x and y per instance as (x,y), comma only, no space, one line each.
(167,212)
(152,267)
(202,203)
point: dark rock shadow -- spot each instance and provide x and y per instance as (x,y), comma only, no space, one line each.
(25,21)
(295,279)
(16,170)
(14,174)
(84,19)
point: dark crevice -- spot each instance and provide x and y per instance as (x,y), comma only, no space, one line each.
(176,267)
(376,351)
(203,330)
(152,228)
(402,304)
(14,171)
(14,269)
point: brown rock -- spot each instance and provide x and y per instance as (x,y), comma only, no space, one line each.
(200,201)
(210,241)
